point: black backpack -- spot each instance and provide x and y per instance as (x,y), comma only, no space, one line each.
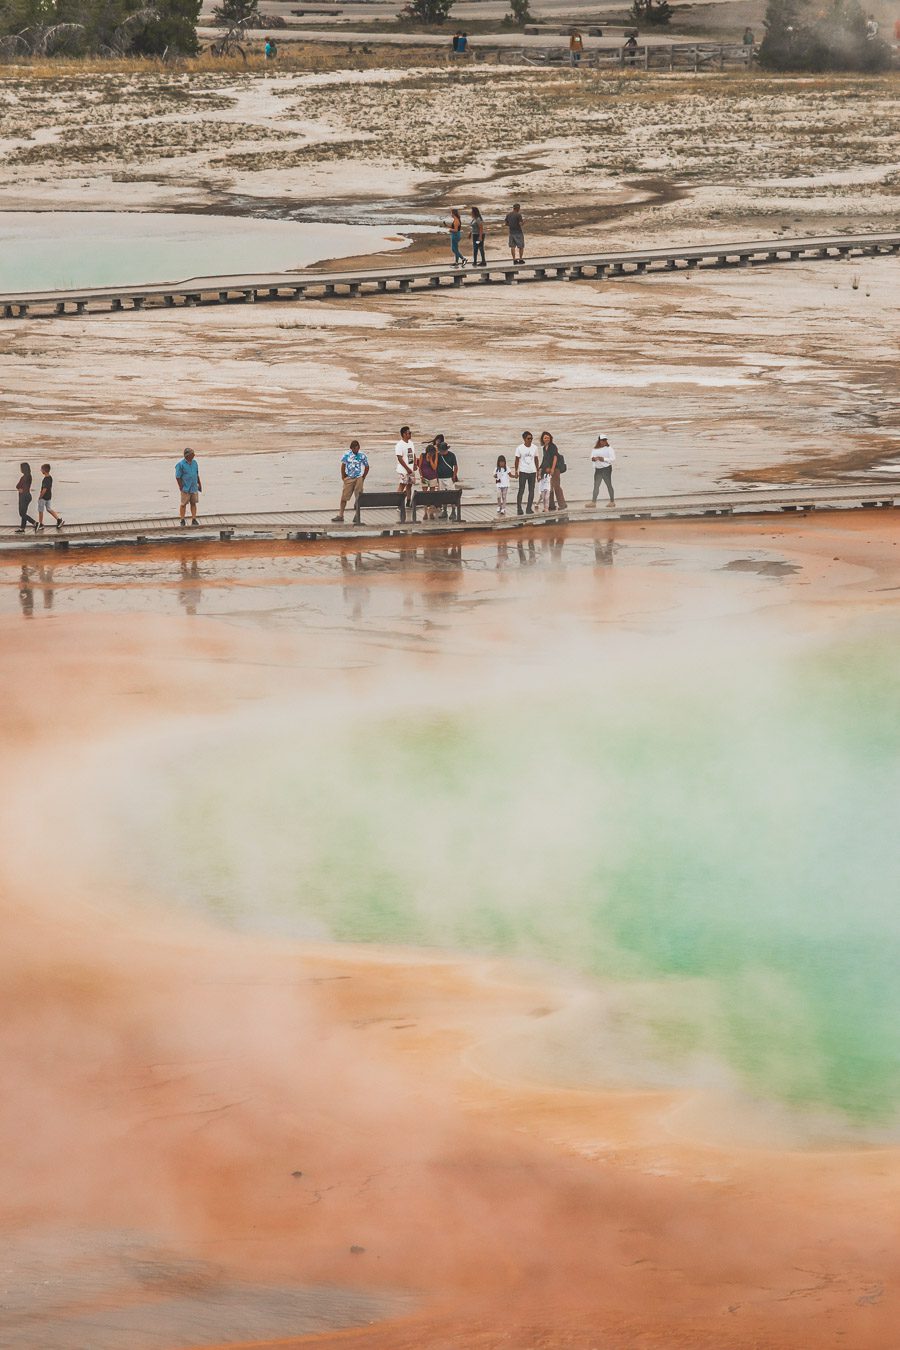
(560,463)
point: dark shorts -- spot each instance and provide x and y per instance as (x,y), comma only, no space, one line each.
(516,239)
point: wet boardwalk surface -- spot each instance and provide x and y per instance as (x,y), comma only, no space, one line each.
(477,516)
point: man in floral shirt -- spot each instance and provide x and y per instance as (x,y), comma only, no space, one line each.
(354,467)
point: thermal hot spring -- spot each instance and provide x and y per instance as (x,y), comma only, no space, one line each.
(514,957)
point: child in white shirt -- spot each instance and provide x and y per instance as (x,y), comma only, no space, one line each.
(501,478)
(543,492)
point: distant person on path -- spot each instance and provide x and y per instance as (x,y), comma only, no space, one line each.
(448,468)
(454,45)
(463,44)
(187,476)
(553,464)
(516,226)
(45,496)
(748,38)
(602,458)
(501,478)
(455,236)
(526,471)
(405,454)
(271,49)
(576,47)
(630,50)
(477,237)
(23,488)
(871,28)
(354,467)
(428,470)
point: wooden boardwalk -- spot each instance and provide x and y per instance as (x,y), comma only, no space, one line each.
(305,285)
(477,516)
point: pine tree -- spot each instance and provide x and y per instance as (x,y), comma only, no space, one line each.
(427,11)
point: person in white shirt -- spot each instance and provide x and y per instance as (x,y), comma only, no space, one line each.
(603,457)
(501,478)
(526,471)
(543,492)
(405,453)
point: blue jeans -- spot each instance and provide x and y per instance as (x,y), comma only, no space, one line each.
(455,236)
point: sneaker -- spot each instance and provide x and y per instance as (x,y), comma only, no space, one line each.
(195,521)
(337,520)
(38,527)
(60,522)
(183,521)
(529,510)
(20,530)
(611,506)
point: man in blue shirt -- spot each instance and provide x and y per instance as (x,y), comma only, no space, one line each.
(187,476)
(354,467)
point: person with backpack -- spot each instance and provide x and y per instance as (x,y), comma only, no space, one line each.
(552,463)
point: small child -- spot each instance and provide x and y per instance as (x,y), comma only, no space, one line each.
(44,499)
(543,492)
(501,478)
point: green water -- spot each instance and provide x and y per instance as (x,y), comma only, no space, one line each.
(731,836)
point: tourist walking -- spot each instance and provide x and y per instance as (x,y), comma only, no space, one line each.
(187,476)
(23,488)
(501,478)
(576,47)
(603,457)
(553,464)
(455,236)
(45,496)
(477,237)
(525,470)
(428,471)
(405,455)
(354,467)
(516,226)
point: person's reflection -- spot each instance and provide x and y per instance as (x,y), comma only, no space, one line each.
(45,576)
(527,552)
(605,552)
(356,592)
(443,567)
(26,592)
(190,593)
(553,548)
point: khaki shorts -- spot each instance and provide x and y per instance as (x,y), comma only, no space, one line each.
(350,488)
(189,497)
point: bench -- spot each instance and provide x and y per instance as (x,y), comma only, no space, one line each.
(380,499)
(443,498)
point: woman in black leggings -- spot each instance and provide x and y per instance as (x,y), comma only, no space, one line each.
(23,487)
(477,237)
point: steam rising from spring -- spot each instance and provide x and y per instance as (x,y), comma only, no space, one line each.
(715,844)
